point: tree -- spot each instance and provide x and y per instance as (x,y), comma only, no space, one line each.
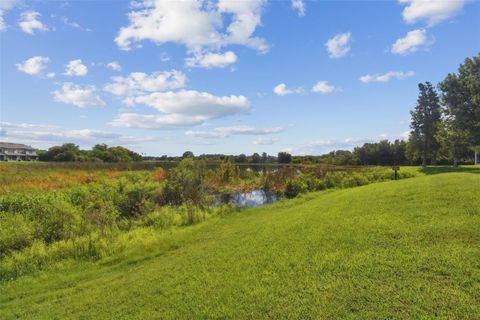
(425,121)
(241,158)
(453,141)
(256,158)
(264,157)
(188,154)
(284,157)
(65,152)
(461,96)
(100,152)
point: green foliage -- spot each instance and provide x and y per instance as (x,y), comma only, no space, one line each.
(227,172)
(70,152)
(256,158)
(284,157)
(188,154)
(185,183)
(54,218)
(426,119)
(302,183)
(16,233)
(381,153)
(461,95)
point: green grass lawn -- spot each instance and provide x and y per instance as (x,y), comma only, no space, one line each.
(394,250)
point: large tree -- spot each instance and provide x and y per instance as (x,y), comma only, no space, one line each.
(461,96)
(453,141)
(426,118)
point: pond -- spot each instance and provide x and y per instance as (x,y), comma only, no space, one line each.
(249,199)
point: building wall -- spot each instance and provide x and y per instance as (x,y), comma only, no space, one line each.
(7,154)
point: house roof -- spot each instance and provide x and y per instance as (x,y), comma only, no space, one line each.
(9,145)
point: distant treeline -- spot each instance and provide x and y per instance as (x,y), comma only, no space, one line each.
(101,152)
(378,153)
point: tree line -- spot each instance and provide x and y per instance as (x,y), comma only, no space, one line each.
(69,152)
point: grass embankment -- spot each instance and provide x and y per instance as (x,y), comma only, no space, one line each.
(393,250)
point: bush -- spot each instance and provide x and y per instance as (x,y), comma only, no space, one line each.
(186,183)
(54,218)
(16,233)
(136,199)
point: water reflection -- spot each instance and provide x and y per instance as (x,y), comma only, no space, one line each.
(247,199)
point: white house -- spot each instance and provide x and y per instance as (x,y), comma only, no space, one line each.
(17,152)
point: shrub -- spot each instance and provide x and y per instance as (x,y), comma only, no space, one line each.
(16,232)
(186,183)
(295,187)
(136,198)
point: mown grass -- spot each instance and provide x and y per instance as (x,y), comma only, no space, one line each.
(394,250)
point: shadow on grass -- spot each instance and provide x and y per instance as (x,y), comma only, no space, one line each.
(446,169)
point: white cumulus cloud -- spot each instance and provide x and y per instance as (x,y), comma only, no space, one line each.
(430,11)
(323,87)
(211,60)
(196,24)
(114,65)
(34,65)
(78,96)
(181,108)
(282,90)
(139,82)
(299,6)
(338,46)
(29,22)
(76,68)
(411,42)
(387,76)
(155,121)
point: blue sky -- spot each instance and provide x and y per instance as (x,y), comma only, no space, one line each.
(162,77)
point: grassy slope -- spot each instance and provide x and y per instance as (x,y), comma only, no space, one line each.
(405,249)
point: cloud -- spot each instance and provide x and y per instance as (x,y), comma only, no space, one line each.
(151,121)
(323,87)
(34,65)
(76,68)
(411,42)
(194,103)
(387,76)
(264,141)
(78,96)
(338,46)
(430,11)
(6,5)
(299,6)
(3,25)
(282,90)
(51,75)
(138,83)
(74,24)
(180,109)
(25,125)
(211,60)
(234,130)
(29,22)
(196,24)
(114,65)
(50,134)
